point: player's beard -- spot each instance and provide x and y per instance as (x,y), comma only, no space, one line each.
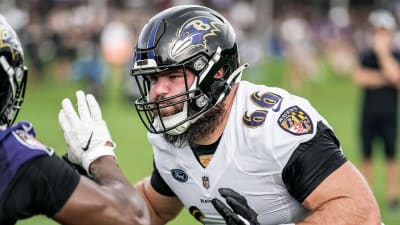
(200,129)
(167,108)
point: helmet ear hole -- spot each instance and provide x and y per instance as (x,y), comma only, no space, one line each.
(220,73)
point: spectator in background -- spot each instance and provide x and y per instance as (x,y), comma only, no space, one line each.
(299,51)
(116,42)
(379,78)
(91,67)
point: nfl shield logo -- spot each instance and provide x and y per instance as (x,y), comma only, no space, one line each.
(206,182)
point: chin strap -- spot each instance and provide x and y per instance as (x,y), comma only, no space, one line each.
(234,78)
(170,121)
(175,119)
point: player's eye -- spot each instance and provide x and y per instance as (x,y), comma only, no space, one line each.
(175,76)
(153,79)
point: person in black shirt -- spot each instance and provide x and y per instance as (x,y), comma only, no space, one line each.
(33,180)
(379,78)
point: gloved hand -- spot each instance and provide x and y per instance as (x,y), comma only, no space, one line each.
(86,135)
(239,212)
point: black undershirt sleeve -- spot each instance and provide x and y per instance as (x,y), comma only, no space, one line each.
(41,186)
(312,162)
(158,183)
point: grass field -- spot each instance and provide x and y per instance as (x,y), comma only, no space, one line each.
(336,98)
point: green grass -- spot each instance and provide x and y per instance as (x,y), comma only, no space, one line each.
(336,98)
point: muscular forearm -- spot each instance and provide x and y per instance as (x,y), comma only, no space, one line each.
(342,211)
(162,208)
(106,173)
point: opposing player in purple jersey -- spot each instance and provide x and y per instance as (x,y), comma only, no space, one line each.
(33,180)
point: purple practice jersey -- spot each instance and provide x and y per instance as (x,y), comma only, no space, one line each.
(17,146)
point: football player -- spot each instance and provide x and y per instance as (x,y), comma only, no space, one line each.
(33,180)
(265,152)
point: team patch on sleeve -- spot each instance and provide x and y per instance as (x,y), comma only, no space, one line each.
(295,121)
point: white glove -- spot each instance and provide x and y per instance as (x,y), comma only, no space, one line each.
(87,136)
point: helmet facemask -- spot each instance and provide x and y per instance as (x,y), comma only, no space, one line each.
(194,102)
(14,80)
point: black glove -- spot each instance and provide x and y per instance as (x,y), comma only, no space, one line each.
(240,212)
(78,168)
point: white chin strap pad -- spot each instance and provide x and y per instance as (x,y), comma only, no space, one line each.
(170,121)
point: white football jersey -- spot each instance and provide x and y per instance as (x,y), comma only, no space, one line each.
(264,128)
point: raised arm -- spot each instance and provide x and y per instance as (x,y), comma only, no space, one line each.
(110,201)
(107,198)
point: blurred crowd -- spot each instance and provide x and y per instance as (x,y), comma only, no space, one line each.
(91,39)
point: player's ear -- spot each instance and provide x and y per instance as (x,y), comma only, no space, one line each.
(219,74)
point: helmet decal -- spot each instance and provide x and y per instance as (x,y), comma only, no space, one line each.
(151,41)
(193,33)
(8,40)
